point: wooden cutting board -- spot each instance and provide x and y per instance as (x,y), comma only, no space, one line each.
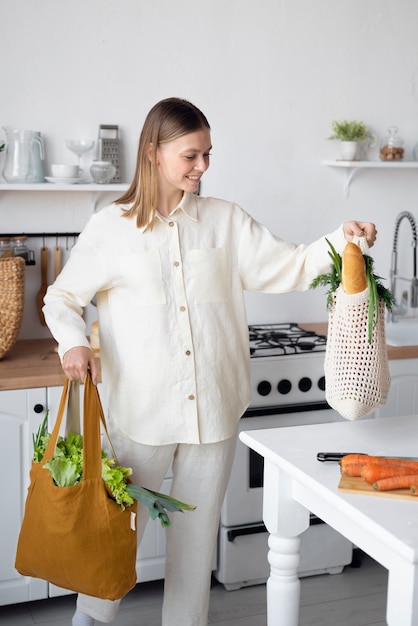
(44,284)
(358,486)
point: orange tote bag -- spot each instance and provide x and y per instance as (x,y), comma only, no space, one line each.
(78,537)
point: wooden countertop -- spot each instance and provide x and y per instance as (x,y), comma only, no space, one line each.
(403,352)
(32,363)
(35,363)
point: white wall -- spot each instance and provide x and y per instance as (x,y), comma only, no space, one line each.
(270,76)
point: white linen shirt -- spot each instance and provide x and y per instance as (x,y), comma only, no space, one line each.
(173,330)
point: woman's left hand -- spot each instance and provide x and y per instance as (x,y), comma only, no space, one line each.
(360,229)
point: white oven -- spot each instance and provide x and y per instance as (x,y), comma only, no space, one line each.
(287,389)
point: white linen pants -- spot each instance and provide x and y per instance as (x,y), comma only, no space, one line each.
(200,477)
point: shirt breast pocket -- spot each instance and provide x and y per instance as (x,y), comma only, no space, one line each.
(209,274)
(141,274)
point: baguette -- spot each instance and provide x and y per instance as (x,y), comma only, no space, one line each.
(353,275)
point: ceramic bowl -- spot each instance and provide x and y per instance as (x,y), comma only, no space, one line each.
(102,172)
(63,170)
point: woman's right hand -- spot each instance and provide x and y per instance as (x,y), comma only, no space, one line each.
(77,361)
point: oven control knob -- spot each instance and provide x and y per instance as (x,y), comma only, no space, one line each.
(305,384)
(321,383)
(264,388)
(284,386)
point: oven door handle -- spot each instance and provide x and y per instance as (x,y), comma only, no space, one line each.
(255,529)
(243,531)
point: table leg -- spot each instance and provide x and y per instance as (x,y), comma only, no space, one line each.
(283,585)
(285,519)
(402,600)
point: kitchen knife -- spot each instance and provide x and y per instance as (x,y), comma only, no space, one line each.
(337,456)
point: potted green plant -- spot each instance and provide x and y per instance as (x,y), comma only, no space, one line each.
(350,133)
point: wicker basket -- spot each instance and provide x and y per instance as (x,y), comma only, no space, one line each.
(12,285)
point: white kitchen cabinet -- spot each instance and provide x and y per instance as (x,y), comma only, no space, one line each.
(403,392)
(21,411)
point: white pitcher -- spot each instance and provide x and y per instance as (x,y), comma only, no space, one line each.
(24,156)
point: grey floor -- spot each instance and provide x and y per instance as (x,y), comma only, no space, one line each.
(356,597)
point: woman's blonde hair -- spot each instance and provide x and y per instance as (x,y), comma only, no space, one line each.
(167,120)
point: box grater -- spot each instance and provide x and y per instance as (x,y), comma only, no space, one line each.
(109,147)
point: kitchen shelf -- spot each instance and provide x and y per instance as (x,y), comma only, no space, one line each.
(353,167)
(62,187)
(94,188)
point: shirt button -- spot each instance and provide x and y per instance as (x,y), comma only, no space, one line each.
(188,353)
(182,308)
(176,263)
(191,397)
(171,224)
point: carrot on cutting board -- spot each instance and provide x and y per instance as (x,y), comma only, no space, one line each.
(353,459)
(352,469)
(373,472)
(396,482)
(364,459)
(358,459)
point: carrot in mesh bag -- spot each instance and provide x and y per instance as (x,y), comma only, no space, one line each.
(356,364)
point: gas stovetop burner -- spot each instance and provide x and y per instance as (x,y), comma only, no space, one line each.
(282,339)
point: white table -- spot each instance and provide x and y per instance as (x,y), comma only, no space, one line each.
(296,483)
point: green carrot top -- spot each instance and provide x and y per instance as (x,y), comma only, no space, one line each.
(377,291)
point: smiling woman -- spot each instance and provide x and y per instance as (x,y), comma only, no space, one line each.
(181,163)
(168,121)
(169,268)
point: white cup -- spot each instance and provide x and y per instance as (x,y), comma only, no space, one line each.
(65,171)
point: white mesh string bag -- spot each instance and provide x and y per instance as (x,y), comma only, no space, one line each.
(356,371)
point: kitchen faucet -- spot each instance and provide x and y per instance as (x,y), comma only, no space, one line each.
(402,309)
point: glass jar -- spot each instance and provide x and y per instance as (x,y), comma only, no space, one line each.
(392,146)
(102,172)
(20,248)
(5,247)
